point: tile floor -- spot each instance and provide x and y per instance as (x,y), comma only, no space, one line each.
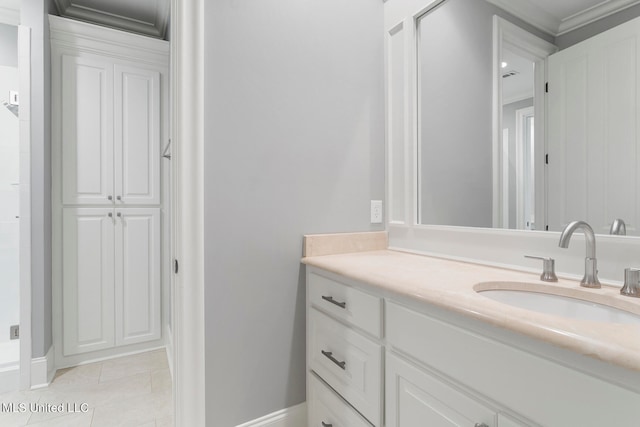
(128,391)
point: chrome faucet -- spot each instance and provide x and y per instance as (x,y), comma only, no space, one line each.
(618,227)
(590,279)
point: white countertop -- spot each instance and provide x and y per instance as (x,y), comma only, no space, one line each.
(452,285)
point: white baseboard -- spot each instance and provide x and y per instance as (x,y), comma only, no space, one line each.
(295,416)
(42,370)
(9,379)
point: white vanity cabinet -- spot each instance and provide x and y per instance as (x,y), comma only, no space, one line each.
(416,398)
(440,368)
(344,348)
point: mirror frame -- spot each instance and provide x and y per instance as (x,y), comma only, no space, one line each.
(499,247)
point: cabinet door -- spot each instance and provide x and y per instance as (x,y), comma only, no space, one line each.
(87,279)
(137,275)
(137,136)
(415,398)
(87,131)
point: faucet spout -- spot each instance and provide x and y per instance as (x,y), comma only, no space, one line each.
(618,228)
(590,279)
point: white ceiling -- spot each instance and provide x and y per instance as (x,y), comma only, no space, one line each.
(148,17)
(560,16)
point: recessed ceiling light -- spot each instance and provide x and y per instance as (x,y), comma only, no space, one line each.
(504,65)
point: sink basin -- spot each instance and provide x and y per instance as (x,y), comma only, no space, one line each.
(561,305)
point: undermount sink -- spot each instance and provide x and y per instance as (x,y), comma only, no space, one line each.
(559,305)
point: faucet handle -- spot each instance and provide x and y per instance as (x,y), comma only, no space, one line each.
(548,268)
(631,286)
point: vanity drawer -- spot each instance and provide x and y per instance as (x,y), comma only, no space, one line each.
(327,408)
(348,361)
(346,303)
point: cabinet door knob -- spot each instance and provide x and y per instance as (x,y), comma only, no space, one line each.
(119,214)
(110,214)
(109,197)
(119,198)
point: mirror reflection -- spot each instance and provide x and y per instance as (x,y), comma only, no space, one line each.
(527,159)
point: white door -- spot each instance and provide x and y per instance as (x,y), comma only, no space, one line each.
(88,279)
(137,269)
(414,398)
(87,131)
(137,136)
(594,131)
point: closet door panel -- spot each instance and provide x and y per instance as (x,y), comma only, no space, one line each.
(87,131)
(138,275)
(137,135)
(88,279)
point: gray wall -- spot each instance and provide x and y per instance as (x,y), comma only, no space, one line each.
(33,13)
(456,52)
(8,45)
(294,144)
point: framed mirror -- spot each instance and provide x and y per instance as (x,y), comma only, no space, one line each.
(495,150)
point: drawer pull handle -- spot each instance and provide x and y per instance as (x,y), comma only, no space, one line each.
(329,355)
(326,425)
(332,301)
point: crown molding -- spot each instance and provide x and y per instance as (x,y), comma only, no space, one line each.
(157,28)
(593,14)
(530,12)
(72,34)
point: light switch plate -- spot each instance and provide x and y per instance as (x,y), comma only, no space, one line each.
(376,212)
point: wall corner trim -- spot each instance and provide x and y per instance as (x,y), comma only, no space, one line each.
(295,416)
(42,370)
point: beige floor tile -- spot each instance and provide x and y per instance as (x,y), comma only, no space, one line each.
(161,380)
(135,364)
(14,419)
(134,412)
(99,394)
(69,420)
(83,374)
(14,407)
(164,422)
(132,391)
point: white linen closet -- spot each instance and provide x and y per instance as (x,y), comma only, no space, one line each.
(108,108)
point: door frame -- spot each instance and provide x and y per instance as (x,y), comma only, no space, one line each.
(24,71)
(187,224)
(527,45)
